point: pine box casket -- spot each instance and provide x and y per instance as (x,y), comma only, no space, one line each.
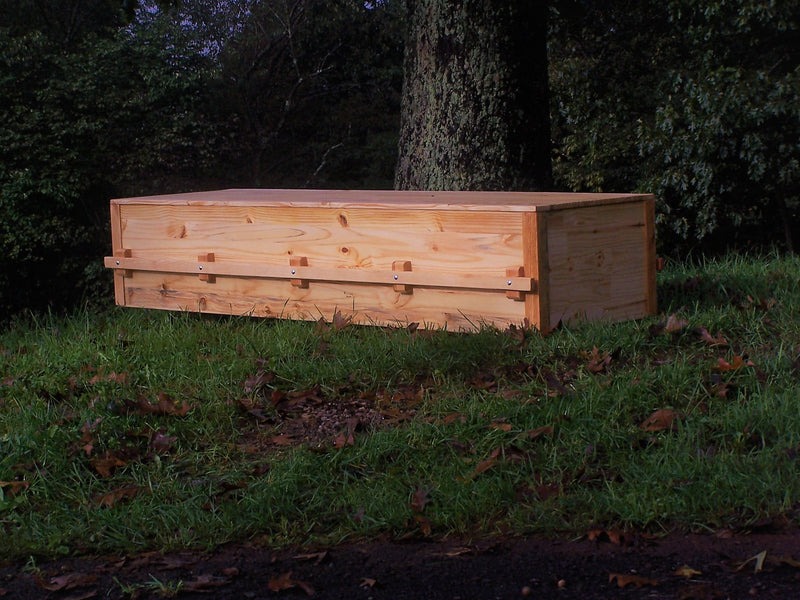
(455,260)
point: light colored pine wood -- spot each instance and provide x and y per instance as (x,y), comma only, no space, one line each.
(306,254)
(651,267)
(458,310)
(388,199)
(595,261)
(537,306)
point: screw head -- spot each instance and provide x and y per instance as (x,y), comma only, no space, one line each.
(293,271)
(508,282)
(117,262)
(396,277)
(200,267)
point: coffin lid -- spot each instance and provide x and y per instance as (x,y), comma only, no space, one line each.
(390,199)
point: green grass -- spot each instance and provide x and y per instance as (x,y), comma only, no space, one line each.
(497,434)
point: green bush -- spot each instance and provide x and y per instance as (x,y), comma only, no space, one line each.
(696,103)
(79,125)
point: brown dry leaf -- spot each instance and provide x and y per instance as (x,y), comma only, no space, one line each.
(101,377)
(340,321)
(453,417)
(285,582)
(486,464)
(661,420)
(161,443)
(420,500)
(553,382)
(545,491)
(737,363)
(687,571)
(424,524)
(618,538)
(12,488)
(367,582)
(501,426)
(597,362)
(624,580)
(165,406)
(317,557)
(675,324)
(111,498)
(786,560)
(712,341)
(259,380)
(106,463)
(204,583)
(539,431)
(66,582)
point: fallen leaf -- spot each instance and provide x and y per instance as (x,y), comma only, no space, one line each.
(545,491)
(165,406)
(539,431)
(687,571)
(553,383)
(420,500)
(501,426)
(737,363)
(340,321)
(661,420)
(63,583)
(111,498)
(675,324)
(788,561)
(259,380)
(634,580)
(12,488)
(106,463)
(424,524)
(453,417)
(204,583)
(597,362)
(101,377)
(486,464)
(285,582)
(162,443)
(712,341)
(367,582)
(758,559)
(317,557)
(618,538)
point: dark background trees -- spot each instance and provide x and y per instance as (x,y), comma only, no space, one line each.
(103,98)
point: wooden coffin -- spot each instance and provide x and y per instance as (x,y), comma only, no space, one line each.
(455,260)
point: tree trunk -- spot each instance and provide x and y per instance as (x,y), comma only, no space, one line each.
(475,112)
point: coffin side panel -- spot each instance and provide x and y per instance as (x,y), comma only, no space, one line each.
(367,304)
(484,243)
(598,263)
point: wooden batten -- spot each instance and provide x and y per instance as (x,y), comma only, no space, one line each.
(443,259)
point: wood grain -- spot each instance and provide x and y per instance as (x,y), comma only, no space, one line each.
(583,256)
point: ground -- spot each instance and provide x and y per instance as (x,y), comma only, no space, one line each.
(759,564)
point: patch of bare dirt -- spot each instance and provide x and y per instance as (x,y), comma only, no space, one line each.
(682,567)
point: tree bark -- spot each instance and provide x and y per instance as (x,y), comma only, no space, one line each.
(475,106)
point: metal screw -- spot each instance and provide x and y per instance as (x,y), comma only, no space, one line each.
(396,278)
(117,263)
(508,282)
(293,271)
(200,267)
